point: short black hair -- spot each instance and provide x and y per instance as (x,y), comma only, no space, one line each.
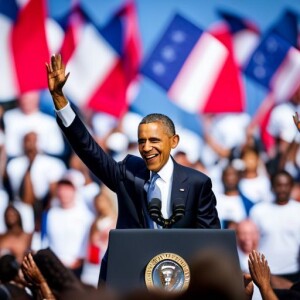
(9,268)
(165,120)
(65,181)
(279,173)
(10,206)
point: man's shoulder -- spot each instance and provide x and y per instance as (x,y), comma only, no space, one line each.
(190,171)
(10,114)
(294,203)
(285,107)
(133,165)
(261,207)
(133,162)
(130,158)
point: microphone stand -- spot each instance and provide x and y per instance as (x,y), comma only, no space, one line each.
(154,209)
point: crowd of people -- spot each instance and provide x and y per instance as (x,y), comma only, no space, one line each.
(213,275)
(56,214)
(48,196)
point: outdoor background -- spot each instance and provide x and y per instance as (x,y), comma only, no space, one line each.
(153,18)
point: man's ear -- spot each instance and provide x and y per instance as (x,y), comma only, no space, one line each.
(175,141)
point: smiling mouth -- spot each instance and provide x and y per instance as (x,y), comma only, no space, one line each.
(150,157)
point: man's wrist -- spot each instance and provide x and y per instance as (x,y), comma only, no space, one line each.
(59,99)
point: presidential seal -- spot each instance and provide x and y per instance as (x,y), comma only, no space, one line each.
(167,271)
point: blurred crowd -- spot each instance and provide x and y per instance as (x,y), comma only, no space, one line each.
(52,206)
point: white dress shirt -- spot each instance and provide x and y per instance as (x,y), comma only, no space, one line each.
(164,182)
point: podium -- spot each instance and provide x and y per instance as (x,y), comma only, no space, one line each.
(131,250)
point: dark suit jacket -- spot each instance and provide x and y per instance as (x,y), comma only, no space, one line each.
(128,177)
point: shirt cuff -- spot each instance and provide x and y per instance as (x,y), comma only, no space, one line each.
(66,114)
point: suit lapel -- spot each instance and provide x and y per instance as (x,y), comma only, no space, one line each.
(178,194)
(179,186)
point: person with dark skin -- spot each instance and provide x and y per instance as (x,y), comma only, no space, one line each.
(278,223)
(233,206)
(283,152)
(59,278)
(35,278)
(15,240)
(12,283)
(180,185)
(261,275)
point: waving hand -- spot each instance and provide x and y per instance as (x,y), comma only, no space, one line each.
(56,80)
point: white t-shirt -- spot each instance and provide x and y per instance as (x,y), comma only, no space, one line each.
(3,206)
(67,232)
(44,171)
(279,227)
(256,189)
(230,208)
(281,123)
(17,124)
(229,130)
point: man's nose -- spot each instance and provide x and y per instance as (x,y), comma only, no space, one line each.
(147,146)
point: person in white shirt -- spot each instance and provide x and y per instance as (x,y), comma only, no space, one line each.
(66,226)
(4,201)
(285,151)
(32,177)
(255,182)
(105,220)
(232,206)
(27,117)
(278,223)
(223,133)
(247,237)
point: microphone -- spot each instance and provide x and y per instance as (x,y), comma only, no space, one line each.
(154,208)
(178,212)
(178,209)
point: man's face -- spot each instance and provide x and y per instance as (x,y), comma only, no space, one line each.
(247,236)
(282,188)
(230,179)
(155,144)
(30,142)
(66,194)
(251,160)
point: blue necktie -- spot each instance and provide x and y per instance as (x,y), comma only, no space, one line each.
(153,191)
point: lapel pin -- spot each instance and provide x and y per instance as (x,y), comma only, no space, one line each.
(181,190)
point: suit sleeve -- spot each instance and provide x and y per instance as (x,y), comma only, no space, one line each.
(93,156)
(207,214)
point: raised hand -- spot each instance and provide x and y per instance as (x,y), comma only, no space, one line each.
(56,80)
(296,121)
(31,271)
(261,275)
(249,286)
(56,74)
(34,277)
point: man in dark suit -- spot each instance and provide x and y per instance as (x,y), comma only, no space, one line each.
(156,138)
